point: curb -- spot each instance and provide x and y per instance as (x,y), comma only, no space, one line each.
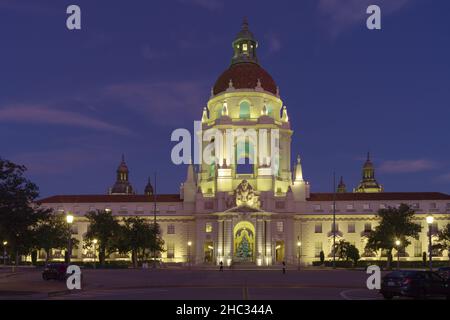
(58,293)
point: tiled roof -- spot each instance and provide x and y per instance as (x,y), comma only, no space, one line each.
(245,76)
(110,198)
(410,196)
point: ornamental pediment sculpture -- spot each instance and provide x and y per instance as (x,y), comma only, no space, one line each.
(245,195)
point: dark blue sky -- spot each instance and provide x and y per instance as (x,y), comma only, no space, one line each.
(71,102)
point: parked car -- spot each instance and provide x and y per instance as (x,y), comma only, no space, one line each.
(56,271)
(444,272)
(414,284)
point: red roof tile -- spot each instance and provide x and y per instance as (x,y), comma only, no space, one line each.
(379,196)
(110,198)
(245,76)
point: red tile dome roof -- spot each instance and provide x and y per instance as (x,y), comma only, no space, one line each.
(245,76)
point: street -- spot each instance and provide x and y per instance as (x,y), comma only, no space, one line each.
(195,284)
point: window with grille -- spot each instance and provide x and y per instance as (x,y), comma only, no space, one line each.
(317,249)
(170,250)
(280,226)
(171,229)
(351,227)
(417,249)
(318,228)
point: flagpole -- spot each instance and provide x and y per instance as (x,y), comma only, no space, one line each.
(154,223)
(334,220)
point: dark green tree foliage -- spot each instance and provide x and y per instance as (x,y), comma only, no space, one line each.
(347,251)
(106,229)
(18,211)
(395,224)
(53,233)
(140,237)
(443,241)
(322,257)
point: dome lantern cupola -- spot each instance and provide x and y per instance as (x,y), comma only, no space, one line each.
(122,185)
(148,188)
(368,182)
(244,46)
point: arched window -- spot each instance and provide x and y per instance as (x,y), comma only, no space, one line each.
(244,110)
(269,110)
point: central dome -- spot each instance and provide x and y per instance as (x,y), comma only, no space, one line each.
(245,71)
(245,76)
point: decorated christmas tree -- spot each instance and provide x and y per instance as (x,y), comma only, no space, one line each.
(244,250)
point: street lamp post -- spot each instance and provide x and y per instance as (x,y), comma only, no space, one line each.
(4,252)
(430,221)
(397,244)
(69,219)
(299,245)
(189,253)
(95,251)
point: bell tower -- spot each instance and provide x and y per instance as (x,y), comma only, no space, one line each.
(368,182)
(245,128)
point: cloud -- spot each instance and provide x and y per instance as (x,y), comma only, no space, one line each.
(39,114)
(273,43)
(212,5)
(340,15)
(165,103)
(444,178)
(406,166)
(55,162)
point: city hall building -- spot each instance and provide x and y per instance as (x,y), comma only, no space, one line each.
(261,216)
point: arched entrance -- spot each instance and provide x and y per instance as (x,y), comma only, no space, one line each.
(244,242)
(279,251)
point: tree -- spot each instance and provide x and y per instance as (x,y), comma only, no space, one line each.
(395,224)
(106,229)
(443,240)
(18,211)
(347,251)
(53,233)
(244,250)
(139,237)
(322,257)
(353,254)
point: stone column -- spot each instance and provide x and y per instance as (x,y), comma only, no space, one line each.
(199,254)
(259,241)
(268,244)
(220,242)
(290,241)
(228,240)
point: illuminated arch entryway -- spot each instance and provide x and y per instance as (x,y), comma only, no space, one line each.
(244,242)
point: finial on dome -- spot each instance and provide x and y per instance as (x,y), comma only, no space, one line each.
(245,23)
(205,115)
(285,116)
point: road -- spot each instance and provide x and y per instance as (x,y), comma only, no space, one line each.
(196,284)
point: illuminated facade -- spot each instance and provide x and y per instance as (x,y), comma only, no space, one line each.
(263,213)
